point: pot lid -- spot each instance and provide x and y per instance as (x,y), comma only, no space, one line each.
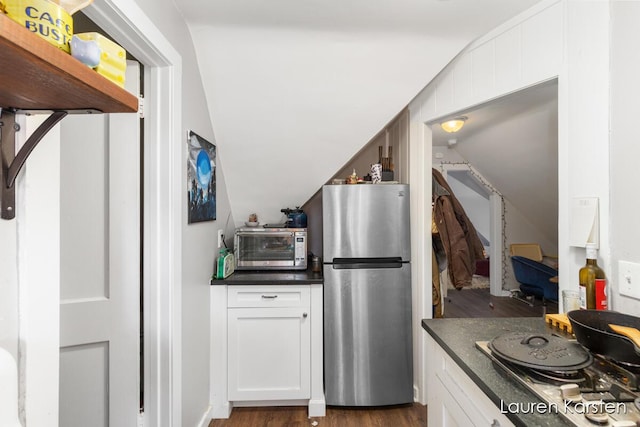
(541,351)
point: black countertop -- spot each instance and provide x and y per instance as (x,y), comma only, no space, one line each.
(458,337)
(271,277)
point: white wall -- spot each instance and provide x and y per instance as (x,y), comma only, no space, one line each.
(520,53)
(583,128)
(38,260)
(8,288)
(625,151)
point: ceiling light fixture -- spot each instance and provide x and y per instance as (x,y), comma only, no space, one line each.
(453,125)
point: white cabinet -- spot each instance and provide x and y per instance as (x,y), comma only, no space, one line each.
(269,344)
(266,347)
(269,354)
(453,398)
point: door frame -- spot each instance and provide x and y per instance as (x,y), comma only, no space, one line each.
(162,221)
(496,233)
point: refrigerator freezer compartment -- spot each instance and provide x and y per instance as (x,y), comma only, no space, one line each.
(366,221)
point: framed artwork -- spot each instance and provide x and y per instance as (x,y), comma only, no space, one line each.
(201,179)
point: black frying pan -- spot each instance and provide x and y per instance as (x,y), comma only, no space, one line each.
(591,328)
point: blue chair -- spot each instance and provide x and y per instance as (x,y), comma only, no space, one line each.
(535,278)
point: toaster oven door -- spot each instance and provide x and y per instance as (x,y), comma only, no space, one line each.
(265,250)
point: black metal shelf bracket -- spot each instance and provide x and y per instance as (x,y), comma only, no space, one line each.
(12,162)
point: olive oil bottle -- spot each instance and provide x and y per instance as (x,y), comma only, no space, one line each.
(593,292)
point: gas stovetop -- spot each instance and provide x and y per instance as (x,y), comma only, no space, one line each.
(604,393)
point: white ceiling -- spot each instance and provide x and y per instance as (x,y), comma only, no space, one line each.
(295,87)
(437,18)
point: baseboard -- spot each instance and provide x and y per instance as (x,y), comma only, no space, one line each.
(258,403)
(206,418)
(221,411)
(417,396)
(317,407)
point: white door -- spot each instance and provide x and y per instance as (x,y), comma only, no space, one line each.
(100,268)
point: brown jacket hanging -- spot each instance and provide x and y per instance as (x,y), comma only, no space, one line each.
(458,235)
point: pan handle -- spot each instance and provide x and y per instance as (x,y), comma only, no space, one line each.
(632,333)
(527,340)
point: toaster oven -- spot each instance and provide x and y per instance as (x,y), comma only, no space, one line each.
(258,248)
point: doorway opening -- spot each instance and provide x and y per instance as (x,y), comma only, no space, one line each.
(503,165)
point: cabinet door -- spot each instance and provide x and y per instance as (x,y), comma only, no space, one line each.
(445,411)
(453,398)
(269,353)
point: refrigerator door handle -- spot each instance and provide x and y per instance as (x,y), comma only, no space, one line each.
(353,263)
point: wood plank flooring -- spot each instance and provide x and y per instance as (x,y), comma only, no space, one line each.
(479,303)
(414,415)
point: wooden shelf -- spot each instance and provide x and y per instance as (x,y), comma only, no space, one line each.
(35,75)
(38,77)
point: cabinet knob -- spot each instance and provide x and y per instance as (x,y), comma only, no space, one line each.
(269,296)
(304,315)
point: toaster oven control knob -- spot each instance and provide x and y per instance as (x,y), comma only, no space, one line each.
(571,393)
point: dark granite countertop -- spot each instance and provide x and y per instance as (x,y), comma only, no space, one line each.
(458,336)
(271,277)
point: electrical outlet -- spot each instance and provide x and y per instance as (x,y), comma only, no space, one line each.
(629,278)
(220,237)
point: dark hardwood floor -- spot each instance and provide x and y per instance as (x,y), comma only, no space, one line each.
(479,303)
(414,415)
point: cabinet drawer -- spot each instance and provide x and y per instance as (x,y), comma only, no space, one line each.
(268,296)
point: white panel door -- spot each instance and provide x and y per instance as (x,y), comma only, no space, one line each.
(100,268)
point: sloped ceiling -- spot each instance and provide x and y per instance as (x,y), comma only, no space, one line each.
(295,88)
(513,143)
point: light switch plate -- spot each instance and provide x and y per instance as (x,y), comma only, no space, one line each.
(629,278)
(220,234)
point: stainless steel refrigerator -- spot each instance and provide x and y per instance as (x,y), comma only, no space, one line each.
(367,295)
